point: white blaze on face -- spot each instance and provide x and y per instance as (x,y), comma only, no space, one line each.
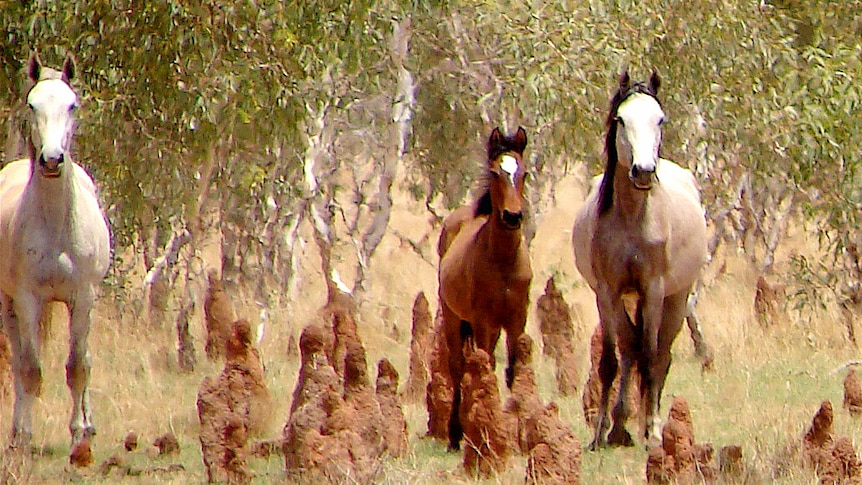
(52,101)
(640,132)
(509,164)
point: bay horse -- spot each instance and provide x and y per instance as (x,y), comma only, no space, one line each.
(639,242)
(484,274)
(54,246)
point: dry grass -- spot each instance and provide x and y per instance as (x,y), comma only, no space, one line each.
(766,386)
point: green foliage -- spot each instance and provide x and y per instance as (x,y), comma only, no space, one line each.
(764,89)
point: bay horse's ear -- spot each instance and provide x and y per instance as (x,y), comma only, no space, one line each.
(68,68)
(34,66)
(520,140)
(625,81)
(496,139)
(654,82)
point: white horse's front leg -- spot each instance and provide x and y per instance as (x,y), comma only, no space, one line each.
(20,321)
(78,366)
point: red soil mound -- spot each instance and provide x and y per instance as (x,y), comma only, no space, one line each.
(488,430)
(558,335)
(231,407)
(554,451)
(768,300)
(81,455)
(394,424)
(420,350)
(832,457)
(219,316)
(852,393)
(525,400)
(339,428)
(440,390)
(679,459)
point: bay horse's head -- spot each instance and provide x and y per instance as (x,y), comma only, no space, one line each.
(52,102)
(506,175)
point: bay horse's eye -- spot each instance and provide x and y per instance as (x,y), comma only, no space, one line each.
(495,175)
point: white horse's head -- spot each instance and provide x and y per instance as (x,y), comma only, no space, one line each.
(638,138)
(52,101)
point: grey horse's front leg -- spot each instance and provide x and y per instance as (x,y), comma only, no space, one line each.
(78,367)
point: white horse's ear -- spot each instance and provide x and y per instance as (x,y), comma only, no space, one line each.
(654,82)
(34,66)
(69,68)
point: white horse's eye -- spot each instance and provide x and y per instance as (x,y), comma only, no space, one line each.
(619,120)
(73,107)
(661,121)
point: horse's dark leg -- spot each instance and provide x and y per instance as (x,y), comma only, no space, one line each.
(456,330)
(673,312)
(611,312)
(629,353)
(513,332)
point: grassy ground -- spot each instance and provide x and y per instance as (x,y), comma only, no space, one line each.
(766,387)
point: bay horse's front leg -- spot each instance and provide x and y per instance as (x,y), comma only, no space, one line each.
(20,320)
(513,332)
(78,366)
(452,328)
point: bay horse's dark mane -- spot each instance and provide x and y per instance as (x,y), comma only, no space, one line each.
(606,190)
(507,144)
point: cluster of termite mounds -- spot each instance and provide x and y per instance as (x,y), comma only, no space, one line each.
(495,430)
(340,424)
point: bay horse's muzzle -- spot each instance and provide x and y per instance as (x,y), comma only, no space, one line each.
(50,167)
(512,220)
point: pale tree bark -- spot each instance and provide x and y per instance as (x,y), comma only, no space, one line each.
(400,128)
(317,202)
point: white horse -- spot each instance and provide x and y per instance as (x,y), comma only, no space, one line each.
(640,242)
(54,246)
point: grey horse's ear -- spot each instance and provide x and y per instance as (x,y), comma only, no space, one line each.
(69,68)
(34,66)
(654,82)
(625,81)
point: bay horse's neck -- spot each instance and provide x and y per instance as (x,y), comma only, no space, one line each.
(503,244)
